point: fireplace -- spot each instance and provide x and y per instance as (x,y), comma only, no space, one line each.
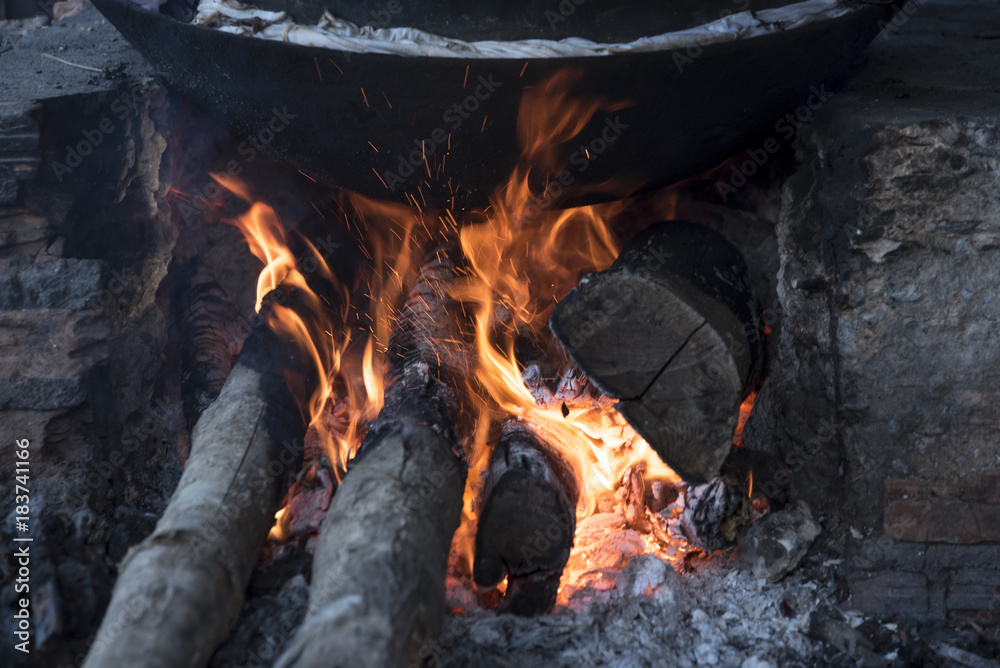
(423,437)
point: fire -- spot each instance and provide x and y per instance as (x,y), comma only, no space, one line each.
(309,326)
(521,258)
(745,408)
(277,532)
(306,326)
(338,411)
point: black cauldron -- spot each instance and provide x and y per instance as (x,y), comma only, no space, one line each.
(442,131)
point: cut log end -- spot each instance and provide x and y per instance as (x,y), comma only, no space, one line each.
(673,332)
(523,528)
(527,521)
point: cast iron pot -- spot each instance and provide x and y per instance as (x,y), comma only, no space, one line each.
(442,131)
(607,21)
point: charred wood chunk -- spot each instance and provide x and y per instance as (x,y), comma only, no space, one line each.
(715,514)
(673,332)
(527,521)
(568,386)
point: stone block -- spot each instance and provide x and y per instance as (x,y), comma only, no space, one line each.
(61,283)
(883,553)
(947,557)
(891,593)
(47,357)
(964,513)
(21,226)
(974,590)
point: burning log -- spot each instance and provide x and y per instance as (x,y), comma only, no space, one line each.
(377,595)
(527,521)
(568,386)
(672,331)
(550,376)
(179,591)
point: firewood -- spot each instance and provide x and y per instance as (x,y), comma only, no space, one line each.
(569,385)
(180,590)
(527,520)
(209,344)
(633,496)
(377,595)
(673,332)
(550,375)
(432,325)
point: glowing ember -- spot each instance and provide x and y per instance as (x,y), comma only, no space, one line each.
(741,422)
(277,532)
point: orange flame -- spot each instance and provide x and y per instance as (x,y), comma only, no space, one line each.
(309,325)
(741,421)
(523,259)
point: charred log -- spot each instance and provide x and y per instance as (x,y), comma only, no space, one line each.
(209,344)
(430,326)
(180,590)
(569,386)
(548,373)
(673,332)
(377,595)
(527,521)
(640,502)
